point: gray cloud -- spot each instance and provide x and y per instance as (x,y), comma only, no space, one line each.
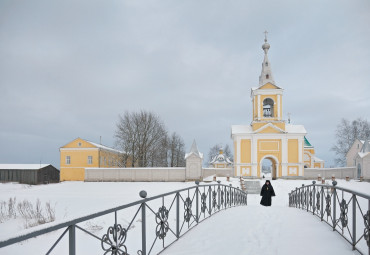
(69,68)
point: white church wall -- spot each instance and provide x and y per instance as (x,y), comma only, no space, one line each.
(366,167)
(219,172)
(327,173)
(165,174)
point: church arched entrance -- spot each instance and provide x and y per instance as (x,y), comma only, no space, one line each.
(269,167)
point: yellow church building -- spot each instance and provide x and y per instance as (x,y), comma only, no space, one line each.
(269,137)
(79,154)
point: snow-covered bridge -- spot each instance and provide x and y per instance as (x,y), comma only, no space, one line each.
(251,229)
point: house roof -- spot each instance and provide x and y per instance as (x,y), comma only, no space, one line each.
(365,147)
(104,147)
(22,166)
(194,151)
(316,159)
(220,159)
(307,143)
(363,154)
(100,146)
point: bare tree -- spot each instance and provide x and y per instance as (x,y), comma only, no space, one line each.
(215,150)
(141,135)
(176,151)
(346,134)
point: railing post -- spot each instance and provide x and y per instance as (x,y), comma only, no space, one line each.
(353,221)
(72,240)
(218,196)
(197,202)
(143,194)
(334,204)
(307,198)
(230,185)
(225,199)
(368,220)
(314,197)
(246,198)
(322,203)
(178,215)
(210,199)
(296,195)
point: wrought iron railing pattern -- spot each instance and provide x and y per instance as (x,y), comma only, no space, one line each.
(178,212)
(331,204)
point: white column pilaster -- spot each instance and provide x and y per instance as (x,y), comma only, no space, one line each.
(284,156)
(259,107)
(238,149)
(254,156)
(278,103)
(300,156)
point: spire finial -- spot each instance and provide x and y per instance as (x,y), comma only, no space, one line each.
(266,74)
(265,35)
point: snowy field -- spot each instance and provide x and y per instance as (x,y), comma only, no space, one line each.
(242,230)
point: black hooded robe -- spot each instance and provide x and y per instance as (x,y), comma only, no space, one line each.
(267,192)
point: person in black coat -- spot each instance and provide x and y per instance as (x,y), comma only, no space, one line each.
(267,192)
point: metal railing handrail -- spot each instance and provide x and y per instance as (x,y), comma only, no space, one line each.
(220,194)
(363,195)
(323,201)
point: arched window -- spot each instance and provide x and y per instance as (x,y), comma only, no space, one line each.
(267,76)
(268,108)
(358,170)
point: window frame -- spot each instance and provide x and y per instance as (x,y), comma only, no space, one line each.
(89,160)
(68,160)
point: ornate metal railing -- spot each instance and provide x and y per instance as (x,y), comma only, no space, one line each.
(346,211)
(177,212)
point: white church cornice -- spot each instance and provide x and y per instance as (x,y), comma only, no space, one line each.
(269,124)
(258,91)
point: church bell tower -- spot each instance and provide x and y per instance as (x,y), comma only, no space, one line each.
(267,99)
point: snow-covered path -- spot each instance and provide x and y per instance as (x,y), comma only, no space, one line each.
(255,229)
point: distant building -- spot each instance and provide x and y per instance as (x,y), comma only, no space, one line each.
(194,159)
(220,161)
(359,156)
(79,154)
(353,151)
(310,160)
(29,173)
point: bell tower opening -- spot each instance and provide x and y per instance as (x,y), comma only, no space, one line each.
(268,108)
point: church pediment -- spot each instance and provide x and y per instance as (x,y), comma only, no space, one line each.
(270,128)
(269,86)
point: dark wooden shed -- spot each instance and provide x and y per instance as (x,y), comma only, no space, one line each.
(29,173)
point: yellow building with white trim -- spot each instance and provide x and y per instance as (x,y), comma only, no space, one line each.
(221,160)
(80,154)
(269,136)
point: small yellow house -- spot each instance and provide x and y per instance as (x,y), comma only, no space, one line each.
(80,154)
(220,160)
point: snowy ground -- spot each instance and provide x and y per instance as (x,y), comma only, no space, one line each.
(242,230)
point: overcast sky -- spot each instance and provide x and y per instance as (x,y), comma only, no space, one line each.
(69,68)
